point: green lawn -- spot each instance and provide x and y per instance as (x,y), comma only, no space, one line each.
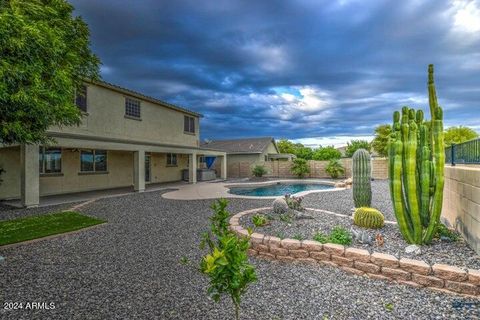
(23,229)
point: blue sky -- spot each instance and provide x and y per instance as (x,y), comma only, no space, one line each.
(319,72)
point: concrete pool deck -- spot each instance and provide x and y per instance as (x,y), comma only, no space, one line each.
(215,190)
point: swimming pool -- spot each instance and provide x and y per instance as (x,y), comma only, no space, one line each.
(278,189)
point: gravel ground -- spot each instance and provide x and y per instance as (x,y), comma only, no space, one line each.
(454,253)
(130,269)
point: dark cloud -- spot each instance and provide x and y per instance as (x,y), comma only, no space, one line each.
(294,69)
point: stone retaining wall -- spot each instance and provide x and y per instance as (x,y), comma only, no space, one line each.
(377,265)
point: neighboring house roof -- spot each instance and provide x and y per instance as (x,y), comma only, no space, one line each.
(241,146)
(144,97)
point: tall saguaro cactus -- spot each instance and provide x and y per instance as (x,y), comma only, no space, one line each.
(362,172)
(416,166)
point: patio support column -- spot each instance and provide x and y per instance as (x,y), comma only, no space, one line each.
(139,171)
(192,168)
(223,171)
(29,176)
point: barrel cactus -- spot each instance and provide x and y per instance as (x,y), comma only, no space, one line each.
(416,166)
(361,169)
(368,218)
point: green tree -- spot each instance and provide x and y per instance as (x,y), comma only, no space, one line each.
(335,168)
(354,145)
(300,167)
(380,142)
(304,153)
(45,55)
(286,146)
(458,135)
(298,149)
(326,153)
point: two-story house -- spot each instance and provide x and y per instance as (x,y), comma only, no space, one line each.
(125,139)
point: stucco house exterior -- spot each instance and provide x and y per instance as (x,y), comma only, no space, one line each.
(125,139)
(244,154)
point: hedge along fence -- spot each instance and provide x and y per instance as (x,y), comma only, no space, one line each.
(361,262)
(281,169)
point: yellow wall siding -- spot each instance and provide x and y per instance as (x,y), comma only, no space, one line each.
(160,172)
(10,162)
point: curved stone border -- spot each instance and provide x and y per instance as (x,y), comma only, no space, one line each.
(377,265)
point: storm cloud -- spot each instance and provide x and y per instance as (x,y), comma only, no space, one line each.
(292,69)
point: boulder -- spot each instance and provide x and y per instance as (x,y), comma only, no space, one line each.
(413,249)
(280,206)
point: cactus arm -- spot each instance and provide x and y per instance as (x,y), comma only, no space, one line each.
(425,187)
(411,182)
(439,164)
(397,190)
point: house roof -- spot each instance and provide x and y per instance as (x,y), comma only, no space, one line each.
(241,146)
(144,97)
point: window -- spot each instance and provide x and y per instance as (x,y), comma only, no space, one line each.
(132,108)
(50,160)
(189,124)
(81,98)
(93,161)
(171,159)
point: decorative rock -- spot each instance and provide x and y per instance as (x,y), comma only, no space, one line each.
(291,244)
(449,272)
(280,206)
(396,274)
(332,248)
(298,253)
(361,237)
(348,181)
(415,266)
(367,267)
(311,245)
(320,255)
(461,287)
(340,185)
(260,247)
(353,271)
(256,238)
(2,259)
(279,251)
(474,276)
(273,242)
(413,249)
(357,254)
(285,258)
(252,252)
(342,261)
(266,255)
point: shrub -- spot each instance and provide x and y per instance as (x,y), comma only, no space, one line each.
(320,237)
(259,220)
(444,231)
(298,237)
(294,203)
(368,218)
(226,265)
(354,145)
(259,171)
(326,153)
(300,167)
(286,218)
(340,235)
(335,168)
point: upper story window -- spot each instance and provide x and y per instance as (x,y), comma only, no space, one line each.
(171,159)
(189,124)
(50,160)
(132,108)
(93,161)
(81,98)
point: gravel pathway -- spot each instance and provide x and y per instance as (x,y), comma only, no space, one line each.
(130,269)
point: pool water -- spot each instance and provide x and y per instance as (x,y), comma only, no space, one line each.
(278,189)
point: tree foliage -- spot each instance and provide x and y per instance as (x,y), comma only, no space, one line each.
(458,135)
(226,264)
(300,167)
(45,55)
(354,145)
(326,153)
(380,142)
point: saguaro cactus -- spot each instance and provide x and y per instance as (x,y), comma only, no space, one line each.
(416,165)
(361,169)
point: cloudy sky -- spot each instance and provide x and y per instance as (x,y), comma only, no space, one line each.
(310,70)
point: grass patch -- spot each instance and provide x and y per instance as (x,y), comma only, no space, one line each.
(29,228)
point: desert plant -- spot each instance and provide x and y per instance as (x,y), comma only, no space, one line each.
(300,167)
(294,203)
(226,265)
(298,237)
(320,237)
(416,169)
(287,218)
(444,231)
(335,168)
(259,171)
(368,218)
(340,235)
(259,220)
(362,171)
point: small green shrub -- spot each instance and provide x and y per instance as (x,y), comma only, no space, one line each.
(444,231)
(259,220)
(226,265)
(335,169)
(259,171)
(320,237)
(340,235)
(286,218)
(300,167)
(280,235)
(298,237)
